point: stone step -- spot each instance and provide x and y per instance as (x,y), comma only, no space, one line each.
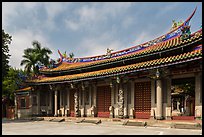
(57,120)
(134,123)
(94,121)
(187,126)
(37,119)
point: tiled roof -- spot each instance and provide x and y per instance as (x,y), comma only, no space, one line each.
(175,42)
(196,54)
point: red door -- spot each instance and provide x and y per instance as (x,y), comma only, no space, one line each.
(142,100)
(71,101)
(103,101)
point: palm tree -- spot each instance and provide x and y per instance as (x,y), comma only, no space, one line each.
(35,55)
(30,61)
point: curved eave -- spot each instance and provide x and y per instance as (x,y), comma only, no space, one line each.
(24,89)
(166,46)
(157,63)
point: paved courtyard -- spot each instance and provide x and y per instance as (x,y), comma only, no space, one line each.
(72,128)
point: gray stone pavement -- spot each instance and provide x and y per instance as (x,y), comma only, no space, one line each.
(23,127)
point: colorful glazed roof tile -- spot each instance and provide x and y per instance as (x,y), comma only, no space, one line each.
(145,57)
(168,41)
(185,57)
(160,47)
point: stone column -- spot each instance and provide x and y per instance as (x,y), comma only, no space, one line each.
(198,95)
(159,100)
(51,99)
(83,103)
(60,92)
(121,102)
(132,108)
(76,103)
(67,107)
(30,103)
(125,101)
(111,108)
(94,94)
(94,100)
(168,103)
(153,103)
(16,107)
(55,103)
(38,102)
(50,103)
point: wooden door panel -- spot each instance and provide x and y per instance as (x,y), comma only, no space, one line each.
(142,99)
(103,101)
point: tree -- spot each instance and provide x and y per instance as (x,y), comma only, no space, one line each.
(6,40)
(14,80)
(30,62)
(34,56)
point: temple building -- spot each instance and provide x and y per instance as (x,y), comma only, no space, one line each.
(159,79)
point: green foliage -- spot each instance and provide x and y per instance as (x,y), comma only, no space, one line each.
(6,40)
(12,81)
(34,56)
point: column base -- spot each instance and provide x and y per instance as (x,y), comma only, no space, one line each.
(126,116)
(131,117)
(168,118)
(159,118)
(121,117)
(152,118)
(198,118)
(111,116)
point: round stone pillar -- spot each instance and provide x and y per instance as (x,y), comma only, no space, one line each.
(159,100)
(55,103)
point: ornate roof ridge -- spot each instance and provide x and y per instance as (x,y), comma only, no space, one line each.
(151,64)
(175,32)
(162,46)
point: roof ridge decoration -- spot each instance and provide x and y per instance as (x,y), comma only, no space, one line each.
(151,64)
(173,33)
(160,47)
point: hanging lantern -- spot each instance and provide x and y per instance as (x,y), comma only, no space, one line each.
(157,74)
(118,79)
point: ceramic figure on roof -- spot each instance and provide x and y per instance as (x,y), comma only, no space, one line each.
(185,32)
(108,53)
(52,64)
(65,55)
(180,23)
(174,25)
